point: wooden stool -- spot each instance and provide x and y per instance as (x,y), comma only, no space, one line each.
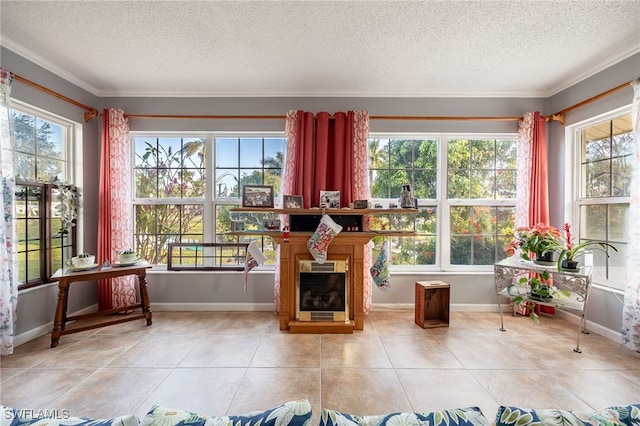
(432,304)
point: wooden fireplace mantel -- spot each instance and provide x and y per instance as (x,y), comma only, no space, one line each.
(349,245)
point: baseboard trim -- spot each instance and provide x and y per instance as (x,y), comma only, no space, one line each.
(213,307)
(591,326)
(456,307)
(34,333)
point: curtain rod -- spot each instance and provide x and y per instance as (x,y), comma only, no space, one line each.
(559,116)
(283,117)
(91,112)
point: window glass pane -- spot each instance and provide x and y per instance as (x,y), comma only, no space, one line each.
(617,267)
(595,150)
(227,183)
(227,152)
(506,154)
(593,218)
(426,184)
(482,154)
(618,214)
(597,179)
(380,186)
(24,129)
(50,170)
(251,153)
(25,167)
(458,154)
(426,250)
(482,185)
(620,176)
(506,184)
(146,152)
(49,138)
(426,220)
(458,184)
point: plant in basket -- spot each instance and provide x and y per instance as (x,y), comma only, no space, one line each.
(540,239)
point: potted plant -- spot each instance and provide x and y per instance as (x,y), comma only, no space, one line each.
(569,252)
(540,239)
(536,287)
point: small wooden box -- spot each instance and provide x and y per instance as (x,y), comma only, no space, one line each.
(432,304)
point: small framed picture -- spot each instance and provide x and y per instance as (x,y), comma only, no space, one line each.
(292,201)
(330,199)
(360,204)
(257,196)
(271,224)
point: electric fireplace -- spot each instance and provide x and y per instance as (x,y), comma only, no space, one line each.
(322,291)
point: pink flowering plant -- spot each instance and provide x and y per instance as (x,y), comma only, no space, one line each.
(534,239)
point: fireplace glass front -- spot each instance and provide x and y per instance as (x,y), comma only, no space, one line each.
(322,291)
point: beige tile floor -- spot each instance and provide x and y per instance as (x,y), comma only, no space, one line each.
(234,362)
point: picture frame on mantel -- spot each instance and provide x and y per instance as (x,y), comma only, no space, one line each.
(292,201)
(330,199)
(257,196)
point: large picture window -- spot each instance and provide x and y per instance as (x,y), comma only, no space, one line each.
(186,185)
(472,180)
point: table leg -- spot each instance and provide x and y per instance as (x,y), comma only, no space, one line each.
(144,296)
(60,315)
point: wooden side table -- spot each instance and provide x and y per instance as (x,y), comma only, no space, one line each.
(64,282)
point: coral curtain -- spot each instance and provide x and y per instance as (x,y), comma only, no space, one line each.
(631,308)
(532,194)
(8,260)
(327,153)
(115,214)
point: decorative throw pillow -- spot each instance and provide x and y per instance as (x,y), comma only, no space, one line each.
(254,257)
(380,271)
(515,416)
(471,416)
(51,418)
(318,244)
(292,413)
(9,416)
(629,415)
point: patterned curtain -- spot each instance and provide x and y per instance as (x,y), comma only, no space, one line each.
(115,215)
(8,264)
(301,164)
(532,193)
(631,309)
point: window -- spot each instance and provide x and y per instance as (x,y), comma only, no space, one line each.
(185,186)
(44,171)
(602,198)
(473,180)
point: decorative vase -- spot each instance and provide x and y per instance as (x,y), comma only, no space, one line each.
(406,199)
(547,258)
(570,265)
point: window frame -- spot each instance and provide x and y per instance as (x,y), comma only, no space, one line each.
(71,150)
(442,203)
(573,184)
(209,202)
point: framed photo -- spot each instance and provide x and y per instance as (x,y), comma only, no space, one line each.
(360,204)
(292,201)
(271,224)
(330,199)
(257,196)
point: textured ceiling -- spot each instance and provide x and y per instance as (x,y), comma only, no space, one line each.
(322,48)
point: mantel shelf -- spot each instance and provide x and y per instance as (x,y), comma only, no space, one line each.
(369,234)
(316,211)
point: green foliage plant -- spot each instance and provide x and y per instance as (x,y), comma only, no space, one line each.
(537,287)
(570,251)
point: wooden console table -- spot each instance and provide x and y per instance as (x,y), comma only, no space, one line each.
(66,278)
